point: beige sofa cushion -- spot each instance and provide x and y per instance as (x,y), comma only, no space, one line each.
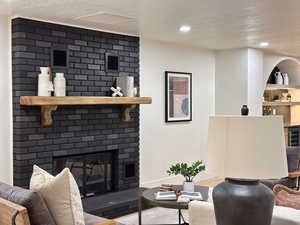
(61,194)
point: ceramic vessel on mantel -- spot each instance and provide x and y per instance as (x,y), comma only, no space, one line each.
(45,86)
(59,85)
(188,186)
(126,83)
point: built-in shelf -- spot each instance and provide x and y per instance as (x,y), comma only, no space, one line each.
(280,103)
(277,103)
(271,87)
(49,104)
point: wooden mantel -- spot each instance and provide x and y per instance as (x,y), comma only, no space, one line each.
(49,104)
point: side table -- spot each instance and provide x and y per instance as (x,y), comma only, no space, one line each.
(148,198)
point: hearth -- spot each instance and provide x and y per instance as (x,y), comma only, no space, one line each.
(94,172)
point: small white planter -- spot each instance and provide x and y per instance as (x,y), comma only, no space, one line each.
(188,186)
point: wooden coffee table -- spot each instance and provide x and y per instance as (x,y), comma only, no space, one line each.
(148,198)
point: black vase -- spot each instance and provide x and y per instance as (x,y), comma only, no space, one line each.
(243,202)
(244,110)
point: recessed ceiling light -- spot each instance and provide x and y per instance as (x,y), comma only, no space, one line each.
(264,44)
(185,28)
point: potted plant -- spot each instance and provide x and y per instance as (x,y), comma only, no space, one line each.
(188,172)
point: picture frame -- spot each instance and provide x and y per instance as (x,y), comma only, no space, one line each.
(178,96)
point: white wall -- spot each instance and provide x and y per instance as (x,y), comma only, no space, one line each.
(231,81)
(5,99)
(239,81)
(163,144)
(255,81)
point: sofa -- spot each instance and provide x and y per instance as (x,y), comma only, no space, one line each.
(202,213)
(37,210)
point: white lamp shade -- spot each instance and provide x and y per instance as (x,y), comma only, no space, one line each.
(246,147)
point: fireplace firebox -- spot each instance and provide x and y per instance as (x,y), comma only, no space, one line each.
(94,173)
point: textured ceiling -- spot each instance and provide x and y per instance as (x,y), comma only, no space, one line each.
(216,24)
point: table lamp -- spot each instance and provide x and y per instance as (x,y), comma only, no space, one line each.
(244,150)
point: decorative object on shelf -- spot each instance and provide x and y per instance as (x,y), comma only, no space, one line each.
(59,85)
(237,150)
(116,92)
(278,78)
(244,110)
(126,83)
(178,96)
(188,172)
(285,78)
(49,104)
(136,91)
(267,110)
(284,97)
(45,85)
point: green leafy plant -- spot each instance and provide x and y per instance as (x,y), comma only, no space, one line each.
(188,172)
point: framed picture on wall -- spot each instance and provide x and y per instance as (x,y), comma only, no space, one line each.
(178,96)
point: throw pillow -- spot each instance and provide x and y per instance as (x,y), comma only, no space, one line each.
(283,198)
(61,195)
(39,178)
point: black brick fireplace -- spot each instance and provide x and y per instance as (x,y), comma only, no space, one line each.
(77,131)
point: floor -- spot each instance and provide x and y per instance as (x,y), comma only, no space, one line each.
(153,216)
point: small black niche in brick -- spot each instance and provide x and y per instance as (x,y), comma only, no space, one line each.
(59,57)
(112,62)
(130,170)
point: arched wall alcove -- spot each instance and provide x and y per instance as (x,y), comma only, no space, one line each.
(274,95)
(289,65)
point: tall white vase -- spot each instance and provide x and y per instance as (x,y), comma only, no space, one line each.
(279,78)
(285,78)
(45,86)
(59,85)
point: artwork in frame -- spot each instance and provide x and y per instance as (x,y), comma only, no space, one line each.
(178,96)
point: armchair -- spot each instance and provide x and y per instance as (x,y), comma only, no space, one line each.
(293,159)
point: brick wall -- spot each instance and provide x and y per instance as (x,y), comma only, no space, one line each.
(76,129)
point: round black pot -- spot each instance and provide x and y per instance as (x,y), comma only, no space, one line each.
(243,202)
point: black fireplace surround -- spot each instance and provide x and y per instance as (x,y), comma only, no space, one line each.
(94,172)
(101,150)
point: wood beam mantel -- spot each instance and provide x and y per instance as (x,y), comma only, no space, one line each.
(50,104)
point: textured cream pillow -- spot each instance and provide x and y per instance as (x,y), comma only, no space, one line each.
(61,194)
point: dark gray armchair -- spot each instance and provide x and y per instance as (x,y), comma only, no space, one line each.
(293,158)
